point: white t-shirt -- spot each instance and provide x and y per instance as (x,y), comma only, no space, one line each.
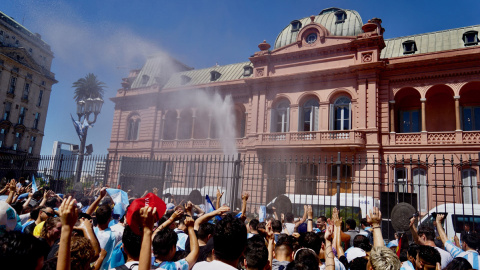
(290,228)
(213,265)
(117,230)
(446,257)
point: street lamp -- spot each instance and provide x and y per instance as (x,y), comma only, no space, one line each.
(84,109)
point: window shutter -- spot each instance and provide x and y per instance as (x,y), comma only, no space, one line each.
(316,117)
(350,115)
(288,120)
(331,121)
(273,118)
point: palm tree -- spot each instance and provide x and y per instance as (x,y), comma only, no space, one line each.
(88,87)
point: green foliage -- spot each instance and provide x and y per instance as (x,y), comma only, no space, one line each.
(88,87)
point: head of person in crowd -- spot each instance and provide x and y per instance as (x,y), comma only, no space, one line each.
(322,222)
(205,231)
(22,251)
(37,195)
(165,217)
(289,217)
(426,233)
(131,243)
(103,215)
(470,241)
(382,258)
(53,202)
(256,254)
(361,241)
(412,252)
(229,239)
(81,253)
(261,228)
(351,224)
(46,212)
(181,224)
(284,247)
(21,180)
(36,212)
(313,241)
(359,263)
(459,264)
(51,230)
(253,226)
(18,206)
(277,226)
(304,259)
(427,257)
(164,244)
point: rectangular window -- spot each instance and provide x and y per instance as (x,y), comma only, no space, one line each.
(21,116)
(37,119)
(13,83)
(33,139)
(471,118)
(40,97)
(401,180)
(409,121)
(18,140)
(8,109)
(3,132)
(469,182)
(26,90)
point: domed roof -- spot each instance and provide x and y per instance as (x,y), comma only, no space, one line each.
(348,24)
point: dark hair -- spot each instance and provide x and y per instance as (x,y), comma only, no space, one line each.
(364,222)
(21,251)
(230,238)
(289,217)
(256,253)
(163,242)
(351,223)
(305,259)
(131,242)
(35,212)
(459,263)
(471,240)
(37,195)
(360,239)
(277,226)
(287,242)
(428,231)
(254,223)
(311,240)
(48,225)
(429,254)
(413,250)
(204,230)
(18,207)
(103,214)
(358,264)
(323,218)
(51,202)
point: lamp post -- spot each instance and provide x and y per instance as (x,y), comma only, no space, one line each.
(84,109)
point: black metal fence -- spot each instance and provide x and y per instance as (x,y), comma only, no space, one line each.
(353,183)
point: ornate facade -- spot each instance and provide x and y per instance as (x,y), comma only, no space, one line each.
(331,83)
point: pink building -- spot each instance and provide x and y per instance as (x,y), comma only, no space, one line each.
(330,83)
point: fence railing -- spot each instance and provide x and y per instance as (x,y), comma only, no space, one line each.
(353,183)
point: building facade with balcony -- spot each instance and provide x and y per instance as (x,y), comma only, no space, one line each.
(330,83)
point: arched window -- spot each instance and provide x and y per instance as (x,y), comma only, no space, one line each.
(420,188)
(309,116)
(280,117)
(185,128)
(170,125)
(133,126)
(469,185)
(340,114)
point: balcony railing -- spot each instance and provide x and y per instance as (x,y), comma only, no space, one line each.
(433,138)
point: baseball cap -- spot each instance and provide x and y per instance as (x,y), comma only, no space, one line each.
(133,215)
(354,253)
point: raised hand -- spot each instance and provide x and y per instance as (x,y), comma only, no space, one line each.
(68,212)
(219,194)
(375,217)
(329,233)
(149,217)
(155,191)
(269,230)
(222,210)
(189,222)
(13,186)
(245,196)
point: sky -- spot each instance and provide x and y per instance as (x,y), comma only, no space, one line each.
(111,37)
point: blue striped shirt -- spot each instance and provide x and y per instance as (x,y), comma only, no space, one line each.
(470,255)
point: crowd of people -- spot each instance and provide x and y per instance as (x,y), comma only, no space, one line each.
(81,230)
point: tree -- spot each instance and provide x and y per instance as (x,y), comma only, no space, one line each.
(88,87)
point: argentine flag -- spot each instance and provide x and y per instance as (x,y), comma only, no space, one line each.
(262,213)
(120,198)
(34,184)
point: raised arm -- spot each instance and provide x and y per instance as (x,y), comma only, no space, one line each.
(375,218)
(87,229)
(95,204)
(148,215)
(29,198)
(12,188)
(208,216)
(440,230)
(302,220)
(245,196)
(337,223)
(329,256)
(414,232)
(176,215)
(219,196)
(68,215)
(271,241)
(194,249)
(309,219)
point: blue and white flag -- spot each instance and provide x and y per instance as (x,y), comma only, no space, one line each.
(120,198)
(78,127)
(262,213)
(34,184)
(85,125)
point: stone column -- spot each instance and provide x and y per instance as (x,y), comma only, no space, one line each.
(194,118)
(178,127)
(162,127)
(424,125)
(457,113)
(392,116)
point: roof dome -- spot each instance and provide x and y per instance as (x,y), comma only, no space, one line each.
(340,22)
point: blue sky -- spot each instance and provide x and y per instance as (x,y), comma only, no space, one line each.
(110,37)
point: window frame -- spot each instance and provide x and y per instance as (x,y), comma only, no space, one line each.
(409,50)
(333,114)
(21,115)
(473,117)
(401,127)
(312,105)
(280,117)
(465,36)
(469,194)
(7,113)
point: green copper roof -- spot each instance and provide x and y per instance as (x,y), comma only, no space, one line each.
(429,42)
(352,26)
(203,76)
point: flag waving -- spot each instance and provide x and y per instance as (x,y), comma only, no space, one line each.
(77,126)
(34,184)
(120,198)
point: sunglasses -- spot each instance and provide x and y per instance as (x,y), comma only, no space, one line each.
(49,214)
